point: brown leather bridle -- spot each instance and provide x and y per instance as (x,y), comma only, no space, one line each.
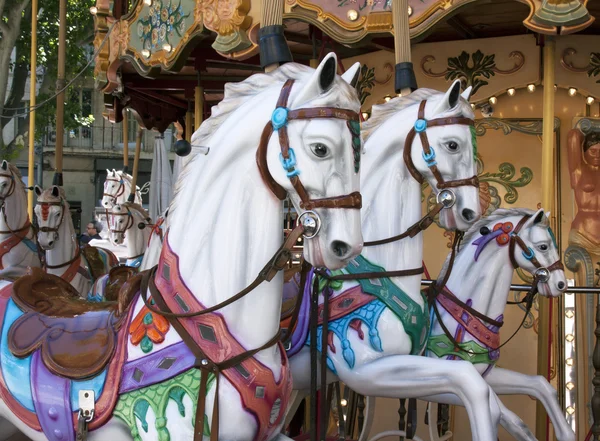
(128,225)
(60,204)
(420,127)
(279,121)
(11,188)
(542,273)
(120,189)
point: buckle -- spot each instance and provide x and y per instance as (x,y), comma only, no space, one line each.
(276,264)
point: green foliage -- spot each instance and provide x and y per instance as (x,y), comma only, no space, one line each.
(470,75)
(594,69)
(80,33)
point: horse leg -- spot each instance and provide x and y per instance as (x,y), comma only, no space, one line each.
(508,419)
(506,382)
(410,376)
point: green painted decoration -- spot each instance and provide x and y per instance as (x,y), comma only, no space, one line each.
(413,317)
(471,351)
(483,66)
(161,25)
(146,345)
(135,405)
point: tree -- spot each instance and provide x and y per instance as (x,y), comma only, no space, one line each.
(15,36)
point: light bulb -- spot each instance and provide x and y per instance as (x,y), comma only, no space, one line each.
(493,100)
(531,88)
(570,314)
(511,91)
(343,402)
(572,91)
(570,410)
(352,15)
(146,53)
(387,98)
(148,2)
(569,337)
(570,386)
(590,100)
(410,11)
(570,362)
(93,10)
(167,47)
(365,115)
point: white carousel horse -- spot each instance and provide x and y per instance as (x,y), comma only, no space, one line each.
(18,244)
(225,224)
(378,327)
(117,188)
(480,279)
(126,220)
(58,239)
(130,221)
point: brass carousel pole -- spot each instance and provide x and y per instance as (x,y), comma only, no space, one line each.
(32,91)
(60,98)
(405,81)
(136,163)
(125,128)
(548,204)
(198,104)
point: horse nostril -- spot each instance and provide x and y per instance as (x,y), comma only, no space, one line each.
(50,243)
(561,285)
(339,248)
(468,214)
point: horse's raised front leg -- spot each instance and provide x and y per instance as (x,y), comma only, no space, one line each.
(508,419)
(506,382)
(409,376)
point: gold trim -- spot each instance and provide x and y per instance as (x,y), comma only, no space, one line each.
(323,16)
(520,57)
(568,65)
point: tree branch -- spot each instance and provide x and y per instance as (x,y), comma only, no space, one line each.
(3,28)
(17,92)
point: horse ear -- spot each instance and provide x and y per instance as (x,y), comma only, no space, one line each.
(535,218)
(55,191)
(352,74)
(38,190)
(114,173)
(4,164)
(107,172)
(467,93)
(320,82)
(548,215)
(450,99)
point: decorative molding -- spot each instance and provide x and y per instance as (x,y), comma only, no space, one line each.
(230,20)
(587,125)
(557,17)
(390,73)
(564,62)
(529,126)
(472,68)
(594,66)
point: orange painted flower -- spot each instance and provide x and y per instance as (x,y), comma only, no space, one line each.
(148,329)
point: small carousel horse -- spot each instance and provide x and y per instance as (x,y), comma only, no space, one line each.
(56,236)
(378,327)
(126,220)
(18,244)
(117,188)
(469,310)
(168,367)
(130,221)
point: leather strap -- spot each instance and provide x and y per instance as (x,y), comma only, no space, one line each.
(276,264)
(414,229)
(350,201)
(59,203)
(120,190)
(128,225)
(202,361)
(13,240)
(516,240)
(303,273)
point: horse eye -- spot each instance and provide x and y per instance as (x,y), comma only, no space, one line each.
(320,150)
(452,146)
(544,247)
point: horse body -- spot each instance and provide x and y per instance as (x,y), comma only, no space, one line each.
(208,255)
(481,278)
(18,244)
(372,350)
(117,188)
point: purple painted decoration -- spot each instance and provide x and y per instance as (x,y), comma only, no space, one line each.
(301,332)
(52,401)
(484,240)
(156,367)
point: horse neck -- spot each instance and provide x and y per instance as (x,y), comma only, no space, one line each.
(225,237)
(137,240)
(485,282)
(66,247)
(15,211)
(391,204)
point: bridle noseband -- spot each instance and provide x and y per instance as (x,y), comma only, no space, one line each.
(420,127)
(279,120)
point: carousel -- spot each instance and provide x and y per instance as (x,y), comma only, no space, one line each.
(282,284)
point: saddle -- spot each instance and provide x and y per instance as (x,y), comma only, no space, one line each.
(76,338)
(94,261)
(117,277)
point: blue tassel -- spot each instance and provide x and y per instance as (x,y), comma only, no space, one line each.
(348,353)
(375,340)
